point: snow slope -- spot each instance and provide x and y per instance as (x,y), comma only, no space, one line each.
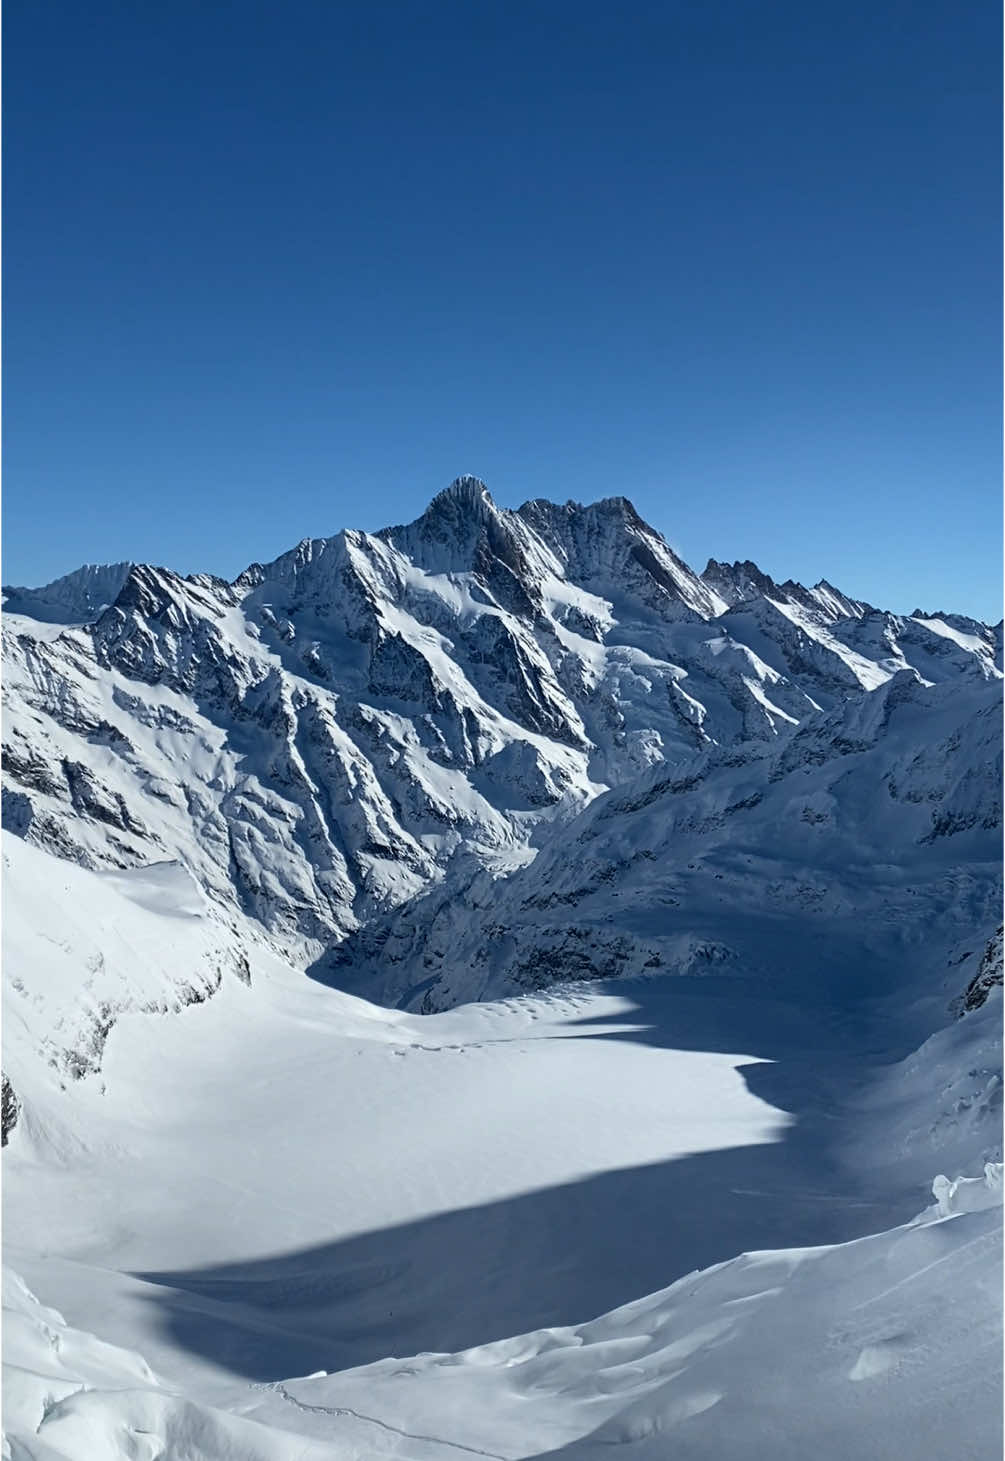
(284,1180)
(778,1353)
(144,939)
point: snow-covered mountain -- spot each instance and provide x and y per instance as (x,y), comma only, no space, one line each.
(650,918)
(318,741)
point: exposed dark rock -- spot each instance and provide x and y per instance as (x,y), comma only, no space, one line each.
(10,1108)
(989,973)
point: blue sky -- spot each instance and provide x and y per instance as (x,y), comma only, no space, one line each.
(273,270)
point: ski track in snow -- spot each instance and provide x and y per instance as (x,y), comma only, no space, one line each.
(343,1411)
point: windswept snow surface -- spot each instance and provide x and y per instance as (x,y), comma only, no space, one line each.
(677,1124)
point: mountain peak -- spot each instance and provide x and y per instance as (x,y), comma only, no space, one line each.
(455,514)
(463,531)
(622,507)
(75,598)
(465,491)
(740,582)
(736,582)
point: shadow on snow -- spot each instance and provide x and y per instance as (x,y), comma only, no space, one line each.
(565,1254)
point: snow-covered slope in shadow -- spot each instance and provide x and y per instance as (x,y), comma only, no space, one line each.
(878,1348)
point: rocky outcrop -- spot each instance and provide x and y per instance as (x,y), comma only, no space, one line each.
(10,1108)
(989,974)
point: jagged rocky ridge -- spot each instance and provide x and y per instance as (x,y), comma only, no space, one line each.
(875,824)
(370,717)
(10,1108)
(989,974)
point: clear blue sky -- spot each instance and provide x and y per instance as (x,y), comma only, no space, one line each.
(276,269)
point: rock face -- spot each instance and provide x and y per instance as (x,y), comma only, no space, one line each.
(371,717)
(989,974)
(10,1108)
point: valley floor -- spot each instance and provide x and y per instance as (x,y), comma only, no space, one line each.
(286,1181)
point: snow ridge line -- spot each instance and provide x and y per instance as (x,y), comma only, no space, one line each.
(984,1239)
